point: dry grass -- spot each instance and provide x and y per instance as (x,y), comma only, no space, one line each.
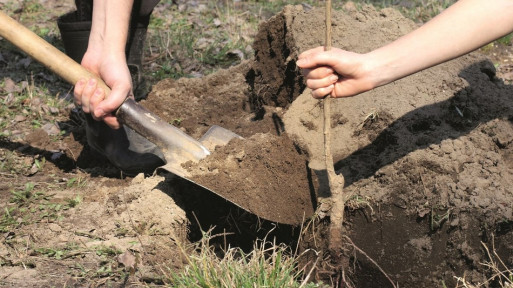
(500,274)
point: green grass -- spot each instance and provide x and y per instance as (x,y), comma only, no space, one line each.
(180,47)
(183,48)
(267,265)
(78,182)
(506,40)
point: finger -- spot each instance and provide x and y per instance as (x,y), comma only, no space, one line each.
(113,101)
(320,73)
(308,53)
(88,92)
(322,92)
(77,93)
(318,58)
(321,83)
(98,96)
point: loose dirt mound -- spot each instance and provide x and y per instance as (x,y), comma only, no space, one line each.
(429,154)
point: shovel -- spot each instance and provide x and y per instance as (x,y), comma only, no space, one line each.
(176,146)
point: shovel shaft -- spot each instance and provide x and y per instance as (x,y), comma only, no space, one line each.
(176,145)
(43,52)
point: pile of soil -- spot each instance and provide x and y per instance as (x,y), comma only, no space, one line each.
(427,158)
(265,173)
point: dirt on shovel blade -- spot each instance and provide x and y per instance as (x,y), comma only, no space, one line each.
(265,174)
(257,174)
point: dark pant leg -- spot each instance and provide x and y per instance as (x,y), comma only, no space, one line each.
(84,10)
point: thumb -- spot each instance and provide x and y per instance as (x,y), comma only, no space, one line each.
(112,102)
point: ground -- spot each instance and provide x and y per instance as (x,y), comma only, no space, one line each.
(426,160)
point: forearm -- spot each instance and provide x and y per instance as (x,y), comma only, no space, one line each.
(109,31)
(462,28)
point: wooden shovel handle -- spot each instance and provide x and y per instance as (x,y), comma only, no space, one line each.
(43,52)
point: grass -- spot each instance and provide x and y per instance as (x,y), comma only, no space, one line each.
(437,220)
(33,204)
(78,182)
(179,47)
(267,265)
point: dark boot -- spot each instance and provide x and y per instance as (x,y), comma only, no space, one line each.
(140,19)
(74,34)
(124,148)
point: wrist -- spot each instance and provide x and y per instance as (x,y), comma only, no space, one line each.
(376,71)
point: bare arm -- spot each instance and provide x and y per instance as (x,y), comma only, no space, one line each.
(105,56)
(462,28)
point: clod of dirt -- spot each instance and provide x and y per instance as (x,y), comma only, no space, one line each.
(260,174)
(38,138)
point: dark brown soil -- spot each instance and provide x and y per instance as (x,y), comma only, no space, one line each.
(265,173)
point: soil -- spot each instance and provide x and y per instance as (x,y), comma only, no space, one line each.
(429,153)
(426,160)
(263,174)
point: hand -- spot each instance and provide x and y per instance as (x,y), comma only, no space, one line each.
(337,73)
(114,71)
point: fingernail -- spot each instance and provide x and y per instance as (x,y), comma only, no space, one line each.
(333,78)
(92,81)
(98,92)
(300,62)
